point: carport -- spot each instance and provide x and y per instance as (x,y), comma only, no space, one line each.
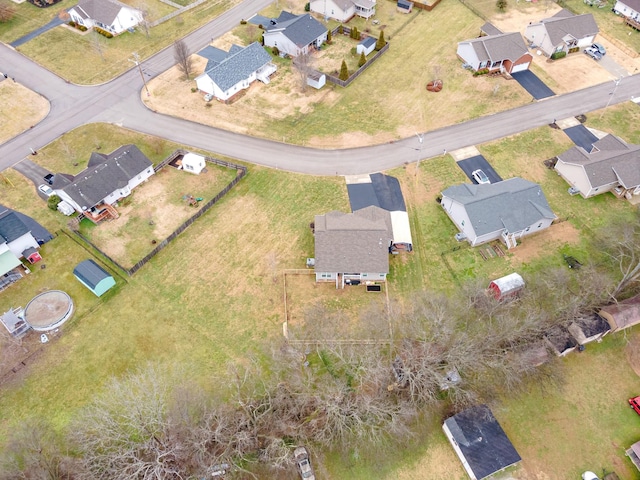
(581,136)
(532,84)
(476,162)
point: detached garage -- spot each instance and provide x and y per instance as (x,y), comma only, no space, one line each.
(94,277)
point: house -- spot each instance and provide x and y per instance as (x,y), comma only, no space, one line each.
(383,191)
(589,330)
(107,179)
(506,287)
(564,32)
(480,442)
(634,454)
(14,322)
(193,163)
(294,34)
(367,46)
(228,73)
(343,10)
(502,52)
(630,10)
(352,247)
(612,165)
(623,314)
(507,210)
(109,15)
(404,6)
(94,277)
(316,79)
(16,242)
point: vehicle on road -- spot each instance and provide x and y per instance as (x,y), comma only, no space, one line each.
(46,189)
(301,456)
(480,177)
(635,404)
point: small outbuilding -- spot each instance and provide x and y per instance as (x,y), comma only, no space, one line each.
(404,6)
(32,255)
(506,287)
(15,323)
(480,442)
(623,314)
(94,277)
(634,454)
(589,330)
(193,163)
(316,80)
(367,46)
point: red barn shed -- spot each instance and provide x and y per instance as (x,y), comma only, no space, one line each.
(32,255)
(506,287)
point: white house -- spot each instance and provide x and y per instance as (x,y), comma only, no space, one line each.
(106,179)
(294,34)
(506,210)
(564,32)
(110,15)
(612,165)
(344,10)
(228,73)
(628,8)
(503,52)
(193,163)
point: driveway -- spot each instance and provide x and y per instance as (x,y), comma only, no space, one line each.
(31,35)
(532,84)
(34,172)
(581,136)
(479,162)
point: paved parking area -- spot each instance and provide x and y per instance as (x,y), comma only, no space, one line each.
(532,84)
(581,136)
(479,162)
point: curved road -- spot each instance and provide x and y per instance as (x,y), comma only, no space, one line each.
(119,102)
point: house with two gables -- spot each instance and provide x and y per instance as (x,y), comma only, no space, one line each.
(228,73)
(564,32)
(506,211)
(294,34)
(495,52)
(110,15)
(611,165)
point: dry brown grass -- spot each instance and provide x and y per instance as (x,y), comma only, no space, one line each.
(20,108)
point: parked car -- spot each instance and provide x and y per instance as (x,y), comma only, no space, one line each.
(635,404)
(301,456)
(593,52)
(49,178)
(46,189)
(480,177)
(589,476)
(599,48)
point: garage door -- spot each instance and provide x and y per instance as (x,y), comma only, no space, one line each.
(520,68)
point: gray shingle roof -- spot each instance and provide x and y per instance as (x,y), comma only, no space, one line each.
(105,174)
(353,242)
(367,42)
(577,26)
(213,55)
(512,204)
(90,273)
(504,46)
(11,227)
(40,233)
(104,11)
(611,160)
(300,29)
(482,441)
(490,29)
(239,64)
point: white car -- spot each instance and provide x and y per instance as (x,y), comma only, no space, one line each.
(480,177)
(46,189)
(589,476)
(301,456)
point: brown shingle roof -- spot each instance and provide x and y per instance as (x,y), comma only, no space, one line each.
(622,314)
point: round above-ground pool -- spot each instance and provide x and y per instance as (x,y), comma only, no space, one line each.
(48,310)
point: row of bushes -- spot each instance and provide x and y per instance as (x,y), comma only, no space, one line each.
(557,55)
(103,32)
(484,71)
(73,24)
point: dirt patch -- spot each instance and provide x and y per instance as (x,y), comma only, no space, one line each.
(540,244)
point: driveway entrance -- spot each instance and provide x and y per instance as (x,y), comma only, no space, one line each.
(532,84)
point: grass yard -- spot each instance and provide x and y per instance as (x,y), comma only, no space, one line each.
(28,17)
(91,58)
(20,108)
(153,211)
(320,311)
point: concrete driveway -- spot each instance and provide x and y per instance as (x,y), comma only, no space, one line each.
(476,162)
(532,84)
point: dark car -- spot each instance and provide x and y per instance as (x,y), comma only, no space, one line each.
(49,178)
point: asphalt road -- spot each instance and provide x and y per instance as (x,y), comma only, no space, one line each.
(119,102)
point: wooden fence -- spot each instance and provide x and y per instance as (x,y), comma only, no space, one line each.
(357,73)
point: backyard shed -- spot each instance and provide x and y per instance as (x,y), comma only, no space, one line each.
(316,79)
(94,277)
(32,255)
(634,454)
(506,287)
(193,163)
(623,314)
(480,442)
(404,6)
(14,323)
(367,46)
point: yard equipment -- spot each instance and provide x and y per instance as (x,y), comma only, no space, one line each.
(571,262)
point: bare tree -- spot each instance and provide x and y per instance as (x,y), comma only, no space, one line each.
(303,65)
(183,58)
(97,43)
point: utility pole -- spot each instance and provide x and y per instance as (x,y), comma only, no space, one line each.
(136,60)
(611,94)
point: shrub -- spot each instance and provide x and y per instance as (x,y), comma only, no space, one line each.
(53,201)
(341,29)
(355,34)
(243,22)
(275,51)
(501,5)
(82,28)
(103,32)
(557,55)
(194,89)
(484,71)
(362,60)
(344,71)
(72,23)
(354,51)
(329,36)
(381,41)
(307,7)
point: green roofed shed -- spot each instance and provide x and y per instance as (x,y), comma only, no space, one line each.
(94,277)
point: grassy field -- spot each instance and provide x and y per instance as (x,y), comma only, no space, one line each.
(20,108)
